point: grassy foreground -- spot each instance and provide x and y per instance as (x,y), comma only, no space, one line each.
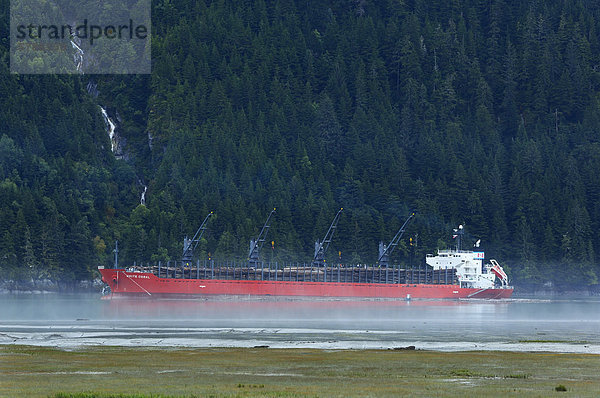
(140,372)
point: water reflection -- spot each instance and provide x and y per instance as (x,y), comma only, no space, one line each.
(532,325)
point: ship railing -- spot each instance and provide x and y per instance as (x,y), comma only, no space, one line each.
(448,251)
(299,272)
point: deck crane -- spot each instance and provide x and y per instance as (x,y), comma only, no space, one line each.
(322,246)
(386,251)
(257,244)
(189,245)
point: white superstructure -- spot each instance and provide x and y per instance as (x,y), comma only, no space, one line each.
(470,269)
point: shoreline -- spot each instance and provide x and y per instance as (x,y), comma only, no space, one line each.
(525,347)
(470,347)
(178,335)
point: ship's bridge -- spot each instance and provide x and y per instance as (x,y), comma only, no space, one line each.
(457,259)
(468,264)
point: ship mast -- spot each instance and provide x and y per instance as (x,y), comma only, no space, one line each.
(322,246)
(116,251)
(458,235)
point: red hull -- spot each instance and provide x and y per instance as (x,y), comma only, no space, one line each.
(126,283)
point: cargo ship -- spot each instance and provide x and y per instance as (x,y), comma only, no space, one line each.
(449,274)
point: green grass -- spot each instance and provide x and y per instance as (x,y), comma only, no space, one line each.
(107,372)
(97,395)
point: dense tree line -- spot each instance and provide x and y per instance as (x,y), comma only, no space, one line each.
(481,112)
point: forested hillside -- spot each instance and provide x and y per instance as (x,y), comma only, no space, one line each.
(479,112)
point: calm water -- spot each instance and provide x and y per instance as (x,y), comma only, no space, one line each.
(516,325)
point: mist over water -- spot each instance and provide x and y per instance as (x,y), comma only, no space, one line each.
(70,321)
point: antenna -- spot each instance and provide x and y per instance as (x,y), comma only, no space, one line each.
(458,235)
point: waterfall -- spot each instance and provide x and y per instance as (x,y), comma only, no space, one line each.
(78,56)
(79,53)
(143,198)
(116,143)
(110,125)
(150,138)
(92,88)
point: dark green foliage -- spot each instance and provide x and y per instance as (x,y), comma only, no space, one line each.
(482,114)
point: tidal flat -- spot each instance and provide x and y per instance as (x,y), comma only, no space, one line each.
(265,372)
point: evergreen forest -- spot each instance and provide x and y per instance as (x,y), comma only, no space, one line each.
(484,113)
